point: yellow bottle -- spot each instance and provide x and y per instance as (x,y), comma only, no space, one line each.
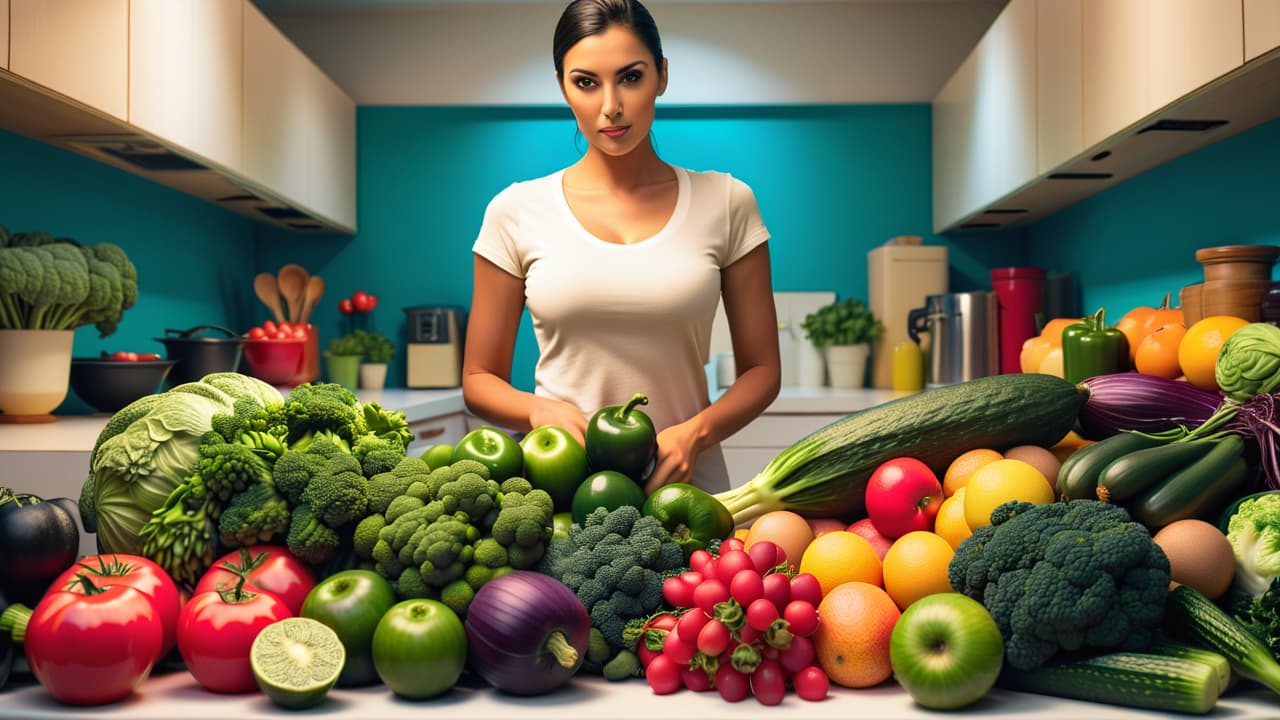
(908,367)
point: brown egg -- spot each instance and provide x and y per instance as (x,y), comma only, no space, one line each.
(1039,458)
(1199,556)
(785,529)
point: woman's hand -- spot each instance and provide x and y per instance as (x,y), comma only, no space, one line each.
(546,411)
(678,448)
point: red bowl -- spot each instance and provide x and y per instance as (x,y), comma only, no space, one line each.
(277,362)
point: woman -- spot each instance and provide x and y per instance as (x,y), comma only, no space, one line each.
(622,259)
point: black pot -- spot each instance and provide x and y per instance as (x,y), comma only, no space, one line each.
(199,356)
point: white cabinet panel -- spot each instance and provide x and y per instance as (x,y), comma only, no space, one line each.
(4,34)
(446,429)
(1261,27)
(79,48)
(332,192)
(1059,105)
(185,74)
(277,108)
(953,148)
(1115,47)
(1192,42)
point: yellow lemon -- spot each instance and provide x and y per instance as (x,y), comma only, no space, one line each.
(1000,482)
(950,524)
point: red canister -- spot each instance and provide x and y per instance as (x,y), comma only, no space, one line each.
(1020,295)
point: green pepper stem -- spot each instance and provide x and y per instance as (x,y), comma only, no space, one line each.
(558,645)
(1098,319)
(14,620)
(637,399)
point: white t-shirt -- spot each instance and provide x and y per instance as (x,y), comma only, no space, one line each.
(612,320)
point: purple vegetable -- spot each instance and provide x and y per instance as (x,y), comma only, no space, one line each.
(1136,401)
(1258,420)
(526,633)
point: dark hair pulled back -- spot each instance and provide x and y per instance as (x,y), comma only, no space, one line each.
(584,18)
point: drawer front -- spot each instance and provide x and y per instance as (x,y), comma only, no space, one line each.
(447,429)
(777,431)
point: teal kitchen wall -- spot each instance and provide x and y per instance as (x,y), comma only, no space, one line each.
(194,260)
(1133,243)
(832,182)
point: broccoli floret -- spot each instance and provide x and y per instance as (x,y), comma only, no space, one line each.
(315,407)
(444,549)
(293,472)
(516,484)
(446,474)
(339,494)
(624,665)
(524,519)
(257,514)
(377,454)
(409,584)
(402,505)
(365,536)
(470,493)
(490,553)
(386,424)
(386,561)
(1064,576)
(457,596)
(309,539)
(227,468)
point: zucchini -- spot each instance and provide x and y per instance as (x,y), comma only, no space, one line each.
(1188,613)
(1220,666)
(1134,472)
(1192,490)
(1078,476)
(1151,682)
(825,474)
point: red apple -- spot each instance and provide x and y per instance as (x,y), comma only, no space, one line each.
(822,526)
(867,529)
(903,495)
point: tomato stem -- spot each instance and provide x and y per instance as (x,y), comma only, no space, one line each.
(87,585)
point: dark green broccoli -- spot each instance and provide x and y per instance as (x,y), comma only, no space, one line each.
(49,283)
(446,474)
(256,515)
(338,494)
(316,407)
(404,504)
(457,596)
(610,564)
(179,537)
(387,486)
(251,424)
(470,493)
(366,535)
(389,425)
(300,465)
(377,454)
(1064,576)
(524,521)
(309,538)
(443,549)
(227,468)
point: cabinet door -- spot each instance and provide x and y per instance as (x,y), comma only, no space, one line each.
(953,150)
(446,430)
(185,67)
(1192,42)
(4,34)
(332,192)
(1114,47)
(1261,27)
(79,48)
(1059,107)
(277,109)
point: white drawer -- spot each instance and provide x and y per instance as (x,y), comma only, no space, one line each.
(447,429)
(777,431)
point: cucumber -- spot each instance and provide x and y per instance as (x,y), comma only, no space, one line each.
(1078,476)
(1220,666)
(1188,613)
(1134,472)
(1192,490)
(1151,682)
(1224,520)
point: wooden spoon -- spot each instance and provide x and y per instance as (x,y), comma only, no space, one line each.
(315,288)
(268,291)
(293,285)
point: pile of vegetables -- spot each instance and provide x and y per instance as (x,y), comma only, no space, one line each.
(49,283)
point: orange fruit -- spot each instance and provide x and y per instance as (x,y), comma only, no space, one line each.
(964,466)
(1053,329)
(1033,352)
(852,640)
(839,557)
(1198,350)
(916,566)
(1052,364)
(950,523)
(1067,445)
(999,482)
(1157,354)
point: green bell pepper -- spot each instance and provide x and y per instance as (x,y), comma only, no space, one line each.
(622,438)
(693,516)
(1090,348)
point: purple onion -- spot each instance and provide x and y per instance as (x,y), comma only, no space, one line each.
(526,633)
(1136,401)
(1258,420)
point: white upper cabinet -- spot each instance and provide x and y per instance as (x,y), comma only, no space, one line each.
(333,159)
(1261,27)
(1192,43)
(4,34)
(1114,51)
(276,108)
(185,74)
(79,48)
(1059,103)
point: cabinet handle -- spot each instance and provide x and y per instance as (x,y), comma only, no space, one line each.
(430,433)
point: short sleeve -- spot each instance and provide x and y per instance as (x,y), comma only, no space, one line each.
(496,241)
(746,226)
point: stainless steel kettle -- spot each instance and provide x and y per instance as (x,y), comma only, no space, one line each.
(963,336)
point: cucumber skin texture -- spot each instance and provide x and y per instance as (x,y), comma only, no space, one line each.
(1215,660)
(1151,682)
(1190,491)
(1078,476)
(935,426)
(1134,472)
(1188,612)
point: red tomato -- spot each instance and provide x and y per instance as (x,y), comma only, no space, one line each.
(811,683)
(131,356)
(270,328)
(283,335)
(271,568)
(903,495)
(136,572)
(360,301)
(373,301)
(345,307)
(216,631)
(299,332)
(257,333)
(93,645)
(768,683)
(149,357)
(285,327)
(119,356)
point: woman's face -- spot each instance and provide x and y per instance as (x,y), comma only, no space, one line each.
(611,83)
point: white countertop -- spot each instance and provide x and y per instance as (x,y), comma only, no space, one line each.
(176,695)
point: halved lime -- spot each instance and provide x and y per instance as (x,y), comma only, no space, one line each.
(297,661)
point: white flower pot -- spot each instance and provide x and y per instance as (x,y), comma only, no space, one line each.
(35,373)
(373,376)
(847,365)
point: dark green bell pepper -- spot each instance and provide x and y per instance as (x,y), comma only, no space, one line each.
(693,516)
(622,438)
(1090,348)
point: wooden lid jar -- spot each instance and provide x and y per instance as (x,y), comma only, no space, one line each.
(1248,263)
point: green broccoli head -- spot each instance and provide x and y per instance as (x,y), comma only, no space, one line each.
(309,538)
(443,549)
(229,467)
(377,455)
(1254,534)
(339,494)
(1064,576)
(470,493)
(524,519)
(256,515)
(365,536)
(293,473)
(388,425)
(446,474)
(315,407)
(385,487)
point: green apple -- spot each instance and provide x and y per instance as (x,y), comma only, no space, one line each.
(554,461)
(946,651)
(352,602)
(492,447)
(438,456)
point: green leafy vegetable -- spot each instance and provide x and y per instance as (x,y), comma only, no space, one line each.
(1249,362)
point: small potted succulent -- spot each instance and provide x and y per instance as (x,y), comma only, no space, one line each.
(343,356)
(844,331)
(378,351)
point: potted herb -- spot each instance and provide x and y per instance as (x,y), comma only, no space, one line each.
(378,351)
(343,356)
(844,331)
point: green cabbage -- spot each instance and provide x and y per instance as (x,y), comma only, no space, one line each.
(1249,362)
(148,448)
(1254,534)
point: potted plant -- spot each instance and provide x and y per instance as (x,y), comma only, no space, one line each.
(843,330)
(378,351)
(343,356)
(39,311)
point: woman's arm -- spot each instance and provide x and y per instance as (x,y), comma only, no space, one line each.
(753,327)
(497,301)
